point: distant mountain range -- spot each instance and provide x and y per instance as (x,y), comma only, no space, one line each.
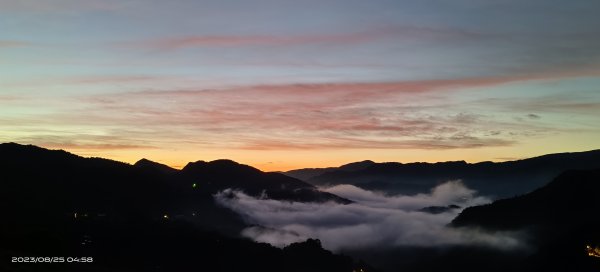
(310,173)
(497,179)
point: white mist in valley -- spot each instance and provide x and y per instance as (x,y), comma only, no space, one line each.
(372,220)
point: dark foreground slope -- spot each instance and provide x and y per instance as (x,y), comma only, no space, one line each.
(560,218)
(570,199)
(504,179)
(161,246)
(553,224)
(142,217)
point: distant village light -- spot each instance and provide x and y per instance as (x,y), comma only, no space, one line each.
(194,185)
(593,251)
(166,216)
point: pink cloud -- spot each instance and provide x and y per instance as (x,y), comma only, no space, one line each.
(9,98)
(86,142)
(8,43)
(378,115)
(109,79)
(89,147)
(299,116)
(255,40)
(398,32)
(345,143)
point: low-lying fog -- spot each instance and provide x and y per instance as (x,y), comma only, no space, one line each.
(373,220)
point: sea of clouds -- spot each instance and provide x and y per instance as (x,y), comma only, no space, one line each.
(373,220)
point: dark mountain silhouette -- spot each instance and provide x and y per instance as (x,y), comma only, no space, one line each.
(155,166)
(570,199)
(555,223)
(142,217)
(560,219)
(58,183)
(36,175)
(162,246)
(221,174)
(503,179)
(309,173)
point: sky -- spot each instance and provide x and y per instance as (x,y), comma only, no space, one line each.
(281,84)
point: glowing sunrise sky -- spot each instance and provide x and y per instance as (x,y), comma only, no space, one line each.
(291,84)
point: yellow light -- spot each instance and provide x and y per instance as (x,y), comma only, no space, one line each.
(593,252)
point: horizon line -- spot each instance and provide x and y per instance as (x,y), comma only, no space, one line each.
(180,167)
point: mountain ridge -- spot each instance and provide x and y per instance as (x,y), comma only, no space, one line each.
(497,179)
(59,182)
(559,220)
(573,194)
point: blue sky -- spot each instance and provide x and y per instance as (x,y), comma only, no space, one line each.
(276,84)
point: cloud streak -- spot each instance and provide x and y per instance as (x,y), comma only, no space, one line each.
(373,221)
(378,115)
(59,5)
(405,33)
(402,115)
(334,116)
(9,43)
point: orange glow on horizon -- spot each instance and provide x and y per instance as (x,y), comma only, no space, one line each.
(284,160)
